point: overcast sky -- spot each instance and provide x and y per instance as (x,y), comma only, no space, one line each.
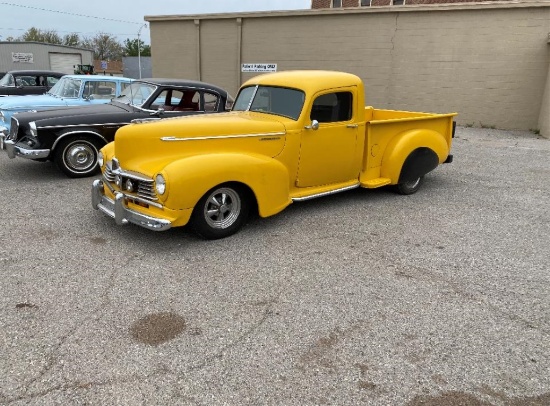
(88,18)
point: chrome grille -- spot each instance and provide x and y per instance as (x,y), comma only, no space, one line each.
(108,174)
(144,188)
(14,129)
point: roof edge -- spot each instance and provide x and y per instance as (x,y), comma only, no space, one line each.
(357,10)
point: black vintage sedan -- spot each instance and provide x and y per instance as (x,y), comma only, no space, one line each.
(23,82)
(73,136)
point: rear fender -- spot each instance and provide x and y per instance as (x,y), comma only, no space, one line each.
(413,153)
(190,178)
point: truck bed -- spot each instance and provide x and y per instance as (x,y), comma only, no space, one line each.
(388,126)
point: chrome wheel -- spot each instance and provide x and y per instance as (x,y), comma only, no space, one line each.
(409,187)
(222,208)
(80,157)
(77,156)
(222,211)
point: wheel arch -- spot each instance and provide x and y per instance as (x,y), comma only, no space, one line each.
(64,134)
(188,179)
(412,154)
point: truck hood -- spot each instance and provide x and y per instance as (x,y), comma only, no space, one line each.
(148,147)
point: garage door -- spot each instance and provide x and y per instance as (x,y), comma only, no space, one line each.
(64,62)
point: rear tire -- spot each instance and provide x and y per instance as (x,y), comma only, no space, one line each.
(409,187)
(221,212)
(77,156)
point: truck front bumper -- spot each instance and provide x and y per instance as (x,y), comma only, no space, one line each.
(14,150)
(3,135)
(118,210)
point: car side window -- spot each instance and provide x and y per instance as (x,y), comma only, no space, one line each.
(124,85)
(25,81)
(51,80)
(100,89)
(332,107)
(210,102)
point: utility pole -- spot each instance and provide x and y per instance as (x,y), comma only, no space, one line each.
(139,48)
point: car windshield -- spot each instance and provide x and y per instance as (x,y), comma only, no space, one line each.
(66,87)
(281,101)
(136,93)
(7,80)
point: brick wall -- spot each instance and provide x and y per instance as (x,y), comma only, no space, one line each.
(319,4)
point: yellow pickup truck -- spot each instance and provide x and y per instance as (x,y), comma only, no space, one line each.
(291,136)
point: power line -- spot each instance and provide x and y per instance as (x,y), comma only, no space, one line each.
(69,32)
(66,12)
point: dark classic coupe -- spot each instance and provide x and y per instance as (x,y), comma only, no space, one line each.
(23,82)
(73,136)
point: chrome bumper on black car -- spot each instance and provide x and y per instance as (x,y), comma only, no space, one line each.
(118,210)
(14,150)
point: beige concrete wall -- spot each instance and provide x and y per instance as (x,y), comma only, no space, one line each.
(175,49)
(544,117)
(488,62)
(220,53)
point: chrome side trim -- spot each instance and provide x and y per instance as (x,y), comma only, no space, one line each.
(14,150)
(217,137)
(123,215)
(330,192)
(49,127)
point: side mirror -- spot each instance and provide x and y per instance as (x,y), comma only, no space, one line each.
(159,112)
(313,126)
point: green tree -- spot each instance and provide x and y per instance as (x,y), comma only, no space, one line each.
(37,35)
(72,40)
(105,47)
(131,48)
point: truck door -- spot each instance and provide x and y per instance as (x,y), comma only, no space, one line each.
(327,154)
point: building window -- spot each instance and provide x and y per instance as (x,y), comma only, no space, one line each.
(398,2)
(336,3)
(365,3)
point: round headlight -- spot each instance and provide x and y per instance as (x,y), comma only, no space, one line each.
(160,184)
(118,181)
(100,159)
(129,185)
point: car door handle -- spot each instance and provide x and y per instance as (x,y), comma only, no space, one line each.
(352,126)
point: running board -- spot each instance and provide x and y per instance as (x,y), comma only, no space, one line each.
(374,183)
(327,193)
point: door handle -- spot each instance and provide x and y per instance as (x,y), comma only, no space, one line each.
(352,126)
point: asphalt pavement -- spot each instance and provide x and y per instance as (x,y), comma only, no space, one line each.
(361,298)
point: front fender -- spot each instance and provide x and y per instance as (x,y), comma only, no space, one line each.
(403,144)
(188,179)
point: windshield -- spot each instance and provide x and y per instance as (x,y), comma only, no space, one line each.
(281,101)
(136,93)
(66,87)
(7,80)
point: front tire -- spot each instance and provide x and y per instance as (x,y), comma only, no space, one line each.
(221,212)
(77,156)
(409,187)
